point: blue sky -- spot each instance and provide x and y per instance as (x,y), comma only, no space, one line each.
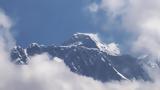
(47,21)
(133,25)
(54,21)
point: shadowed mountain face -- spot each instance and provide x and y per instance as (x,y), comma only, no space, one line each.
(86,55)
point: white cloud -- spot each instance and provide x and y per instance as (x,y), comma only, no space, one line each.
(5,21)
(113,7)
(45,74)
(6,40)
(139,17)
(93,7)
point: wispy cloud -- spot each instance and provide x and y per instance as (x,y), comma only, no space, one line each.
(6,40)
(139,17)
(5,21)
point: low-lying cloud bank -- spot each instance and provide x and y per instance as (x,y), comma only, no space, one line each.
(43,73)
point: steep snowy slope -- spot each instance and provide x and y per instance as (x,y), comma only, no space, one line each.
(92,41)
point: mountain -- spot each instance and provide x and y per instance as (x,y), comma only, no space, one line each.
(86,54)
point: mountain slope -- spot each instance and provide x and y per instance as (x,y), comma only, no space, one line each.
(86,55)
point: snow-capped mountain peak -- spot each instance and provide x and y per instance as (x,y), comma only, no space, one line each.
(91,40)
(34,45)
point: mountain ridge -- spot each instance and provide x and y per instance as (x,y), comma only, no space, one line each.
(86,55)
